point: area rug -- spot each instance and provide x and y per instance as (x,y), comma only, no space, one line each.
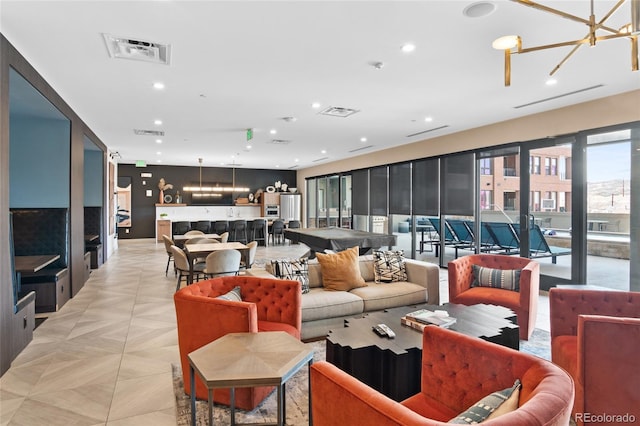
(297,392)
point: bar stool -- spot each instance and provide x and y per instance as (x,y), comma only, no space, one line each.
(259,231)
(238,231)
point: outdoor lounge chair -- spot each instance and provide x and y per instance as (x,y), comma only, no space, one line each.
(538,246)
(504,235)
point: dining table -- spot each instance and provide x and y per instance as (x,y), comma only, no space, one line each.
(179,240)
(195,251)
(34,263)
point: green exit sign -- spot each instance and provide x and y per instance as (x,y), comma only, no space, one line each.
(141,163)
(249,134)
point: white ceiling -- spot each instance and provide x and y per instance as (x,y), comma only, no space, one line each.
(237,64)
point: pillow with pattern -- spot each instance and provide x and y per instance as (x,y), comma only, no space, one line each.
(295,269)
(491,406)
(389,266)
(233,295)
(508,279)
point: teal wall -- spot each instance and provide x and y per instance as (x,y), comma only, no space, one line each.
(93,174)
(40,156)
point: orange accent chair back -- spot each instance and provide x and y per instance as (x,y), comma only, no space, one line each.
(595,336)
(524,302)
(457,371)
(267,305)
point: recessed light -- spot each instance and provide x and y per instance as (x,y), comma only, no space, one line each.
(551,82)
(315,105)
(248,146)
(428,119)
(479,9)
(158,153)
(324,151)
(273,131)
(158,85)
(408,48)
(158,140)
(296,160)
(363,139)
(158,161)
(157,122)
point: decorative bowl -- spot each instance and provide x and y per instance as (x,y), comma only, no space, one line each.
(293,189)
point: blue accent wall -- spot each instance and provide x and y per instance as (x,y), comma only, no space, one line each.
(93,173)
(40,156)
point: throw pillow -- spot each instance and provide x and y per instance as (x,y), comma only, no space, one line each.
(341,271)
(389,266)
(508,279)
(295,269)
(233,295)
(491,406)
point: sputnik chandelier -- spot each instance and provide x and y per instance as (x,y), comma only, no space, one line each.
(512,44)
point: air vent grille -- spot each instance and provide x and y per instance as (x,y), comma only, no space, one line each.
(427,131)
(280,141)
(141,132)
(320,159)
(559,96)
(138,50)
(361,148)
(338,112)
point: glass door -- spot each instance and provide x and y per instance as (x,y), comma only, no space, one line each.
(609,188)
(545,225)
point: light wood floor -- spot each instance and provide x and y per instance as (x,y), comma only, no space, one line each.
(105,357)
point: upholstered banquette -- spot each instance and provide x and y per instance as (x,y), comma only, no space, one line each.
(42,232)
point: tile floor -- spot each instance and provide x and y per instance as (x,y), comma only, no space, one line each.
(105,357)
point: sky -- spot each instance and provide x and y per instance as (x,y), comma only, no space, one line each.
(609,162)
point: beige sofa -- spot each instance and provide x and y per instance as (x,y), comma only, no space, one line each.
(323,310)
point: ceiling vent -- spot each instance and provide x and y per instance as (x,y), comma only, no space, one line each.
(559,96)
(320,159)
(338,112)
(427,131)
(279,141)
(141,132)
(138,50)
(361,148)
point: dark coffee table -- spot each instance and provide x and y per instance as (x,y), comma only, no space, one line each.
(393,366)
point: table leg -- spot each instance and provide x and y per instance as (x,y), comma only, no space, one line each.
(210,401)
(280,405)
(190,277)
(192,376)
(233,406)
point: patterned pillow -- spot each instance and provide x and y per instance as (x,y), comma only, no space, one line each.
(491,406)
(389,266)
(295,269)
(508,279)
(233,295)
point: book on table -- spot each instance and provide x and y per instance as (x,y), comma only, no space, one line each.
(427,317)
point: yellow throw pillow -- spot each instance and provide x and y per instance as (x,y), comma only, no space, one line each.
(341,271)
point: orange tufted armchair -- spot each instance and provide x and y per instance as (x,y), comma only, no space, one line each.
(267,305)
(595,336)
(457,371)
(524,303)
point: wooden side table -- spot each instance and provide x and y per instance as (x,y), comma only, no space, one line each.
(247,360)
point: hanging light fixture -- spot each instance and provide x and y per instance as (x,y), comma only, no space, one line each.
(513,44)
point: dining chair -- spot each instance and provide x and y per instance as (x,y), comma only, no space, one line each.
(248,262)
(168,242)
(222,263)
(294,224)
(194,232)
(224,237)
(181,263)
